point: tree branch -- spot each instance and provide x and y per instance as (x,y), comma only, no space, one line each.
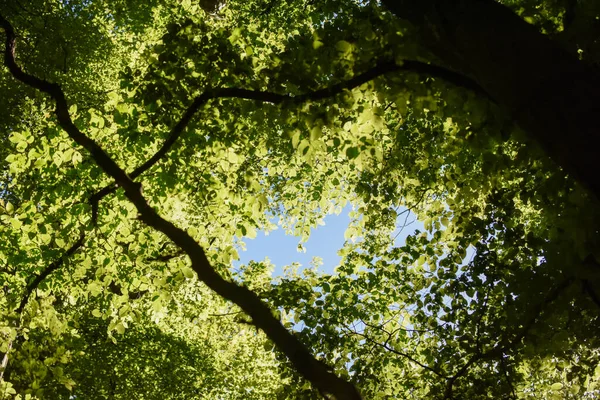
(49,269)
(399,353)
(33,285)
(381,68)
(312,369)
(569,16)
(499,350)
(591,292)
(539,309)
(547,90)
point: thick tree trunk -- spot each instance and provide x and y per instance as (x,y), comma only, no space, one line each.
(549,92)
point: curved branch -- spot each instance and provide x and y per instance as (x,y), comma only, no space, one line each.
(312,369)
(539,309)
(499,350)
(399,353)
(56,264)
(448,393)
(378,70)
(149,216)
(4,362)
(548,91)
(49,269)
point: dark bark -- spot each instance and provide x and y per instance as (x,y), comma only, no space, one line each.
(317,372)
(380,69)
(550,94)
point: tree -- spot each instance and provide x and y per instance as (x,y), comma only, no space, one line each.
(546,89)
(145,142)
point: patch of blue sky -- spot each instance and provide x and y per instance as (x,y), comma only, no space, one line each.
(283,250)
(325,241)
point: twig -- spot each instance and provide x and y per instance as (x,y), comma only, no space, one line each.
(312,369)
(378,70)
(392,350)
(499,350)
(49,269)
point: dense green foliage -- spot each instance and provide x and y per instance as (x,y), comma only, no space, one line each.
(96,304)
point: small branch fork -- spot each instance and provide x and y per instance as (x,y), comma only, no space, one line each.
(479,355)
(380,69)
(31,286)
(501,349)
(56,264)
(312,369)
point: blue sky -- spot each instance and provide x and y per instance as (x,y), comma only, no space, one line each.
(324,242)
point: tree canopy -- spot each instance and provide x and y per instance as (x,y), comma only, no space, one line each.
(144,142)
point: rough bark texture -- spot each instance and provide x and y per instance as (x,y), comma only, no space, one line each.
(552,95)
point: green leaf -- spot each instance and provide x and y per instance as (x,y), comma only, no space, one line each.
(352,152)
(188,272)
(343,46)
(120,328)
(315,133)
